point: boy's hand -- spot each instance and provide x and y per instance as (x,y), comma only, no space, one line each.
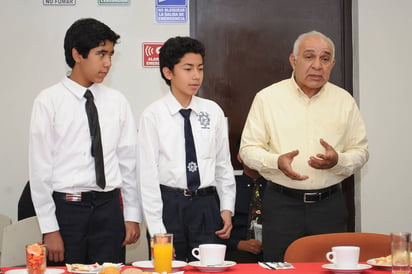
(224,233)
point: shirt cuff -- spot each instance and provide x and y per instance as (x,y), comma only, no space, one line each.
(48,224)
(133,214)
(156,228)
(340,165)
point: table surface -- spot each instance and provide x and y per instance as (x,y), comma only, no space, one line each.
(310,268)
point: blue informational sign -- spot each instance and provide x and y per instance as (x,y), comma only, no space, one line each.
(171,2)
(171,11)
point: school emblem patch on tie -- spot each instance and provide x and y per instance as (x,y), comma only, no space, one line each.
(192,167)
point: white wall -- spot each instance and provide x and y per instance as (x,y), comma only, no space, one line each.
(32,59)
(384,69)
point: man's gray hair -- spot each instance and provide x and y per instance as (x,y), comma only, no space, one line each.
(301,37)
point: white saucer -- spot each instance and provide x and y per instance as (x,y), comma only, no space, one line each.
(24,271)
(337,270)
(212,268)
(148,265)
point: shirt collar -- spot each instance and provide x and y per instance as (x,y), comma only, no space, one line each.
(298,89)
(76,89)
(174,106)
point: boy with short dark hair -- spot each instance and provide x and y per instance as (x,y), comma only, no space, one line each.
(82,156)
(186,176)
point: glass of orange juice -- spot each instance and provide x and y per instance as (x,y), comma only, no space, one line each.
(36,258)
(163,252)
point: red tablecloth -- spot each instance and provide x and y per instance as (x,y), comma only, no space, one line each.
(309,268)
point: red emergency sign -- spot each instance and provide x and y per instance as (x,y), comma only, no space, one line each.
(151,54)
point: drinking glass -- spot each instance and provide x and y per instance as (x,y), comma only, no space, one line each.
(400,242)
(36,258)
(163,252)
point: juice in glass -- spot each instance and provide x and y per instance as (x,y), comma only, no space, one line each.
(163,252)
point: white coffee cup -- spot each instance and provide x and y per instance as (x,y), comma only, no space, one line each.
(344,256)
(210,254)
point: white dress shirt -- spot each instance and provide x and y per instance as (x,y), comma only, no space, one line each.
(60,148)
(161,150)
(282,119)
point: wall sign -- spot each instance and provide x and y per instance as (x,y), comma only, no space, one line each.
(59,2)
(151,54)
(171,11)
(112,2)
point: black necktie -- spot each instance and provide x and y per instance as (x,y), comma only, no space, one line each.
(192,169)
(96,149)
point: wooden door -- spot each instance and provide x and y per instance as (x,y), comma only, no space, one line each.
(248,43)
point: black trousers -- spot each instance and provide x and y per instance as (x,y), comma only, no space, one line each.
(92,229)
(286,219)
(192,220)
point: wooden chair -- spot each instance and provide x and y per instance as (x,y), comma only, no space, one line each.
(314,248)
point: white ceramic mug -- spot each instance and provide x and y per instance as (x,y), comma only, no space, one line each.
(344,256)
(210,254)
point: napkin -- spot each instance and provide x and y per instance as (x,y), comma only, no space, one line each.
(276,265)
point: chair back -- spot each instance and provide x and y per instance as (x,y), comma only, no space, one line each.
(314,248)
(15,238)
(138,251)
(25,207)
(4,221)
